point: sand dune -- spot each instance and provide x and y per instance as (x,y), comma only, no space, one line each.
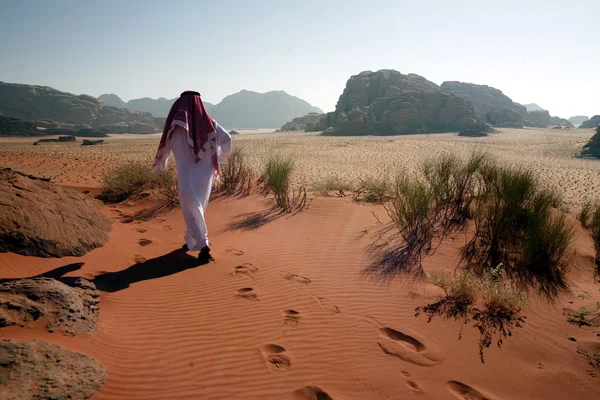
(284,312)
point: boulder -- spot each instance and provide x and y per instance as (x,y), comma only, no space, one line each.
(305,123)
(36,369)
(563,123)
(71,309)
(387,102)
(484,98)
(61,139)
(41,219)
(591,123)
(505,118)
(16,127)
(87,142)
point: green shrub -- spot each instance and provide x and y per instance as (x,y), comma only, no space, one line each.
(516,225)
(374,190)
(277,179)
(236,176)
(122,182)
(500,298)
(336,185)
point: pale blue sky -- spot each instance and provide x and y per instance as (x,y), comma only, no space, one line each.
(542,51)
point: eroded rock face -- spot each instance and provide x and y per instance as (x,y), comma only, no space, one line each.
(540,119)
(70,309)
(39,218)
(305,123)
(16,127)
(591,123)
(39,370)
(388,102)
(592,148)
(30,102)
(484,98)
(505,118)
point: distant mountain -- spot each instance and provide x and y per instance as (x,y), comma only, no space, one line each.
(158,107)
(113,100)
(252,110)
(533,107)
(578,119)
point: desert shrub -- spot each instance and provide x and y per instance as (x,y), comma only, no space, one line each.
(236,176)
(590,219)
(277,179)
(374,190)
(501,303)
(167,194)
(336,185)
(516,225)
(122,182)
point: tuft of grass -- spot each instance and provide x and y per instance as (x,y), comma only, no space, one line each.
(374,190)
(277,179)
(236,176)
(585,316)
(334,185)
(516,225)
(122,182)
(501,304)
(590,219)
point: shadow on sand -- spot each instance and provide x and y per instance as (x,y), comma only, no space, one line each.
(255,220)
(168,264)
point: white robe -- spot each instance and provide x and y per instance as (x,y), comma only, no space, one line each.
(195,181)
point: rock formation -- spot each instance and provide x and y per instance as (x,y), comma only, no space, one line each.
(251,110)
(38,218)
(305,123)
(504,118)
(71,309)
(564,123)
(61,139)
(158,107)
(87,142)
(41,103)
(533,107)
(591,123)
(592,148)
(540,119)
(16,127)
(578,119)
(484,98)
(39,370)
(387,102)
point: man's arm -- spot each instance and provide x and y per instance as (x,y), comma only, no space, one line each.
(223,140)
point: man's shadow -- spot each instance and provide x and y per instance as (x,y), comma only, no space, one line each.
(168,264)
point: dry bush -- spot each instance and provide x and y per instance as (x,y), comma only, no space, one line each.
(334,185)
(501,303)
(277,179)
(585,316)
(374,190)
(236,176)
(167,193)
(590,219)
(516,225)
(122,182)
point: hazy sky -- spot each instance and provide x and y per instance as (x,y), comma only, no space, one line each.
(542,51)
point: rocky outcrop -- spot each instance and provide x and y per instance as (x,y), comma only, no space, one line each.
(484,98)
(505,118)
(305,123)
(578,119)
(591,123)
(158,107)
(251,110)
(42,103)
(389,103)
(563,123)
(38,218)
(17,127)
(71,309)
(60,139)
(540,119)
(111,99)
(39,370)
(87,142)
(592,148)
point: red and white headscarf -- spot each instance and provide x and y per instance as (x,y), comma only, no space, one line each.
(189,113)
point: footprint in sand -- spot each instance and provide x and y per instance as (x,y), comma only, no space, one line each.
(291,318)
(408,348)
(311,393)
(144,242)
(414,386)
(139,259)
(326,305)
(297,278)
(247,293)
(233,251)
(246,270)
(276,357)
(167,228)
(466,392)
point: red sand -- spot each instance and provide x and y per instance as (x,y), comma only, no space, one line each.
(225,330)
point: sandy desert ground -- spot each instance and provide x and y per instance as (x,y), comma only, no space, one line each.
(285,305)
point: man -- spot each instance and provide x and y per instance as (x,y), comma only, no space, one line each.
(199,143)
